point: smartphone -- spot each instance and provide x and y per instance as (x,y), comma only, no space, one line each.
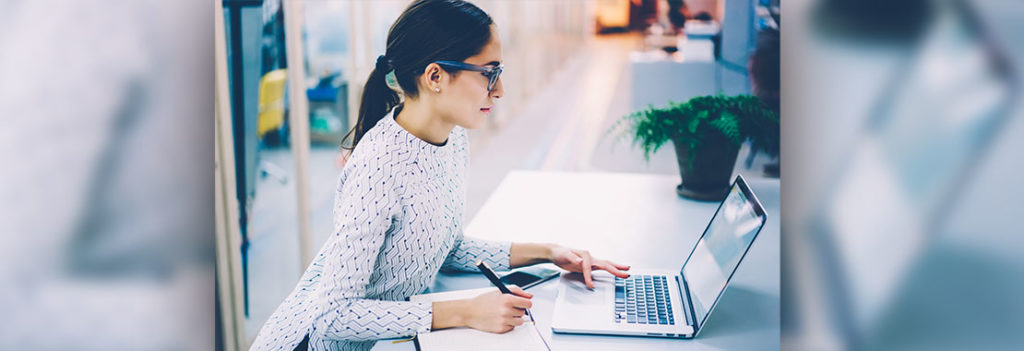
(529,276)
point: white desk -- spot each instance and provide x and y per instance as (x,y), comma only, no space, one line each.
(634,219)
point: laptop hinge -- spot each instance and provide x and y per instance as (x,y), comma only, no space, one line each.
(685,296)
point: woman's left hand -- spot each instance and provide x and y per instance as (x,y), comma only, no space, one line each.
(580,261)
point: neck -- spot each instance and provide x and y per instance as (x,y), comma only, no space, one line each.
(418,119)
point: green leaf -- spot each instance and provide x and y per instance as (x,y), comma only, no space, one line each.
(738,118)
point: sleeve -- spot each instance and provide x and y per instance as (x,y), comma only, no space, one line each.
(468,250)
(363,211)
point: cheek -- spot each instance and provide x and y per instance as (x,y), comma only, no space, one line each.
(469,116)
(464,105)
(473,88)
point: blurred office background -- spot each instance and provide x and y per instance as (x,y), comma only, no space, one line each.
(902,136)
(572,68)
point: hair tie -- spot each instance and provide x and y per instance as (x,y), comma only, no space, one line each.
(383,64)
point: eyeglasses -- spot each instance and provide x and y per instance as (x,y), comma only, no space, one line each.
(492,73)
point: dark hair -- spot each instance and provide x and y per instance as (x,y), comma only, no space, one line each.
(427,31)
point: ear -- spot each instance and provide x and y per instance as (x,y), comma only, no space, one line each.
(433,75)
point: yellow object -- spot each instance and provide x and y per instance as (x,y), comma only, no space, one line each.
(403,340)
(612,13)
(271,104)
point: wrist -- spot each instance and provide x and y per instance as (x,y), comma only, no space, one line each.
(460,307)
(525,254)
(540,253)
(548,252)
(449,314)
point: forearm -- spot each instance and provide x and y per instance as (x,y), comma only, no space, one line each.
(525,254)
(470,250)
(448,314)
(350,319)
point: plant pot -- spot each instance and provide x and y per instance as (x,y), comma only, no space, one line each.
(713,162)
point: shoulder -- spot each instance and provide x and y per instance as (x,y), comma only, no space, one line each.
(379,145)
(376,160)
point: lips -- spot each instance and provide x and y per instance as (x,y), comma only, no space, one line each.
(486,109)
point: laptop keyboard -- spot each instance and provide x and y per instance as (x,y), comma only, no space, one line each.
(643,299)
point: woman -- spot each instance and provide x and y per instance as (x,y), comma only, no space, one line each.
(399,203)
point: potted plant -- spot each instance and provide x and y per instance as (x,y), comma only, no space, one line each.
(707,132)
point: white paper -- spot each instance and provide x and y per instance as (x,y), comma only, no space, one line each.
(524,337)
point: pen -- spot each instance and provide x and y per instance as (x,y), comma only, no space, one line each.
(497,282)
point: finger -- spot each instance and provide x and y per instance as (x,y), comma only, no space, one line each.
(519,291)
(586,269)
(516,312)
(519,302)
(515,321)
(611,269)
(619,266)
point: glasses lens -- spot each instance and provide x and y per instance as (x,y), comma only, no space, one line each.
(493,78)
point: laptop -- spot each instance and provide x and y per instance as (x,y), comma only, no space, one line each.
(665,303)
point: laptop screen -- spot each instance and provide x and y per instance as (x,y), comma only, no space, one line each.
(718,252)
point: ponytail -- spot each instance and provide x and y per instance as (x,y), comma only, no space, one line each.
(378,99)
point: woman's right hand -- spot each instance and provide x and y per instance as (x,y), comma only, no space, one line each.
(496,312)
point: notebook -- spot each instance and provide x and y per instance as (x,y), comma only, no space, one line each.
(523,338)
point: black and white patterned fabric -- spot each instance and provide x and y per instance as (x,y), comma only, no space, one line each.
(398,220)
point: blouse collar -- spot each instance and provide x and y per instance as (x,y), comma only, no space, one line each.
(412,141)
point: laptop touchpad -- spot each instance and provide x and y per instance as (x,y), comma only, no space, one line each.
(577,291)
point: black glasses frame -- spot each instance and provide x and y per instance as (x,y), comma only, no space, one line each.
(492,73)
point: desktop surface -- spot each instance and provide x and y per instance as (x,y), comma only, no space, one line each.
(634,219)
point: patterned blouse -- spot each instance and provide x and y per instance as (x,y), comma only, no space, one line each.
(398,219)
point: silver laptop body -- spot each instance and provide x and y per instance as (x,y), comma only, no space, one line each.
(661,302)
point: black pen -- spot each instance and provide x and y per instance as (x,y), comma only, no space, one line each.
(497,282)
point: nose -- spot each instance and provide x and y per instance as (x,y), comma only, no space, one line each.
(498,90)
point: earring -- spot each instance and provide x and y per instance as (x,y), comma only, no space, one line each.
(437,90)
